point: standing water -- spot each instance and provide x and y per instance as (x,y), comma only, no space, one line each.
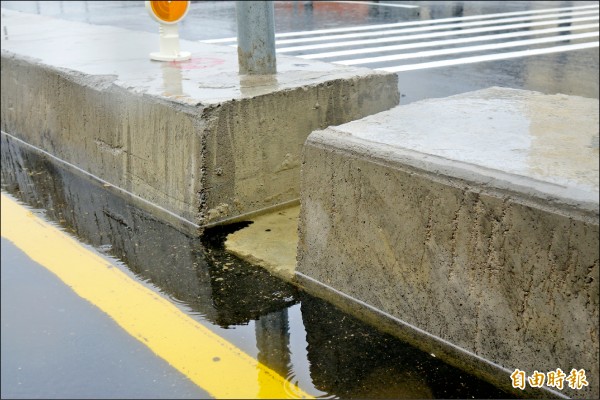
(326,352)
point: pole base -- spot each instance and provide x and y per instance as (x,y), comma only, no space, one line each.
(181,56)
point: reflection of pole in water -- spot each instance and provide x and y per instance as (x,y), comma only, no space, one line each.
(272,341)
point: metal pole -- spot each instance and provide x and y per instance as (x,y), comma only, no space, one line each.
(256,37)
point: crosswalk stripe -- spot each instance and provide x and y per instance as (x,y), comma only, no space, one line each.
(437,43)
(431,28)
(457,50)
(373,3)
(430,35)
(489,57)
(382,38)
(411,23)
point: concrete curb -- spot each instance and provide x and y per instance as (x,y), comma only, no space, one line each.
(478,227)
(194,138)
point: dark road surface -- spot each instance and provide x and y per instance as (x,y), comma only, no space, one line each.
(47,329)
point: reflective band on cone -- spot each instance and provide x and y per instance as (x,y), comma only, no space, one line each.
(169,12)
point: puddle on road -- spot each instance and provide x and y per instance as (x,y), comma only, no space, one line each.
(327,352)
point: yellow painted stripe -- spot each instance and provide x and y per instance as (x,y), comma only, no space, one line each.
(208,360)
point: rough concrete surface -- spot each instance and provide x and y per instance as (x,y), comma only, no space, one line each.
(472,218)
(195,137)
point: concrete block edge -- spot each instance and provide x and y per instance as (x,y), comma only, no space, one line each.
(448,352)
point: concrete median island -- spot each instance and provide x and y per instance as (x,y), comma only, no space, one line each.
(194,138)
(466,225)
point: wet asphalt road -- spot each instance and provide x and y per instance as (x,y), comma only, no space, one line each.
(516,29)
(45,326)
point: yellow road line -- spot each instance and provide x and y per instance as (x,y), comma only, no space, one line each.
(208,360)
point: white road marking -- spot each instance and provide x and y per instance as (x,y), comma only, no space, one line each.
(436,43)
(431,35)
(432,28)
(411,23)
(418,35)
(371,3)
(468,49)
(489,57)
